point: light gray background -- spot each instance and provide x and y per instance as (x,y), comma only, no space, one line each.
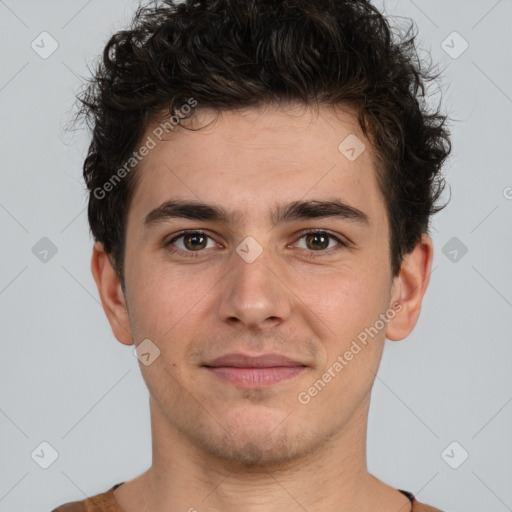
(67,381)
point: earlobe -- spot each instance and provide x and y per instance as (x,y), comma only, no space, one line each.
(111,294)
(409,289)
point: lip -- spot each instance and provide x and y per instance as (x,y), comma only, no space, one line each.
(255,371)
(239,360)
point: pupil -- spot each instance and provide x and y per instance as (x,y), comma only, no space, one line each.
(193,245)
(316,236)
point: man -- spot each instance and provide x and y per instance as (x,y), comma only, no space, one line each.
(261,177)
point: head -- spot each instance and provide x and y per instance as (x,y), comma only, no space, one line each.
(242,119)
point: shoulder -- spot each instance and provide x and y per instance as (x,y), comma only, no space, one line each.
(421,507)
(416,505)
(75,506)
(103,502)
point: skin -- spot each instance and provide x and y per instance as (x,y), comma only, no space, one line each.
(216,446)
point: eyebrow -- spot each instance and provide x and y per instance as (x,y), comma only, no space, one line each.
(297,210)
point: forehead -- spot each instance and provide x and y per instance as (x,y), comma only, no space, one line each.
(258,158)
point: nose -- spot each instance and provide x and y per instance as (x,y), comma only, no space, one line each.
(254,295)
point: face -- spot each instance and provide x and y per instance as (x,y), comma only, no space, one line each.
(287,258)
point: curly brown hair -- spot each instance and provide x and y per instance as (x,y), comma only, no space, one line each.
(229,54)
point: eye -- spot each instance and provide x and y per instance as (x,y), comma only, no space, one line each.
(320,241)
(190,242)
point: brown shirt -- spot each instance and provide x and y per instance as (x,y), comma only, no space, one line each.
(106,502)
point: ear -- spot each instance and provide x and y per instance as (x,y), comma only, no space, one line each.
(409,287)
(111,294)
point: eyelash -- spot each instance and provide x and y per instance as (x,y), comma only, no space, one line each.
(196,254)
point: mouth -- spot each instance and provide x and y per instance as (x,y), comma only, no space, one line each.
(254,372)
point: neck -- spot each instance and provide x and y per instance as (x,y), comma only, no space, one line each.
(332,479)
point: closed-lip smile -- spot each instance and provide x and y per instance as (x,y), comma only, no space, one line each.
(255,371)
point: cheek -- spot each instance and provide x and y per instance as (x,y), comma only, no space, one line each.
(349,307)
(347,299)
(159,299)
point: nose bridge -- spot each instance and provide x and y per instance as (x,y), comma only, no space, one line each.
(253,290)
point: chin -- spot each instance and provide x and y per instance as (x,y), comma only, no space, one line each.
(266,446)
